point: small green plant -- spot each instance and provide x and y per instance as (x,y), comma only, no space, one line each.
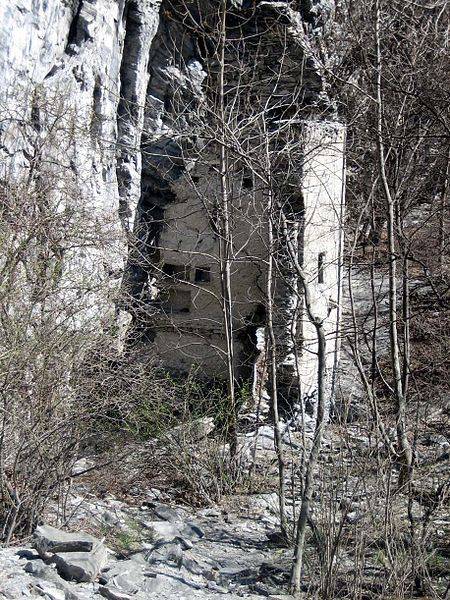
(129,538)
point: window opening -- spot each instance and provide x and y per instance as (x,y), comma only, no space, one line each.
(320,267)
(179,271)
(178,301)
(247,183)
(203,275)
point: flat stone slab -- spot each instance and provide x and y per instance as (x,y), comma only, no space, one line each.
(133,578)
(81,566)
(166,513)
(49,540)
(113,593)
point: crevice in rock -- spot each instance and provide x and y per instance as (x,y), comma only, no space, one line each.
(77,33)
(97,116)
(128,109)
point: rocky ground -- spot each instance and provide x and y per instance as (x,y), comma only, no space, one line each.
(155,548)
(154,551)
(159,530)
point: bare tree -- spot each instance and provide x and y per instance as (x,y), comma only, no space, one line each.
(394,95)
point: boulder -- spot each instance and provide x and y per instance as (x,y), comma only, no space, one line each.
(48,574)
(81,566)
(49,540)
(165,513)
(36,567)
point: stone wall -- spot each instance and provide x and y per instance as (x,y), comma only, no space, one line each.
(323,193)
(187,323)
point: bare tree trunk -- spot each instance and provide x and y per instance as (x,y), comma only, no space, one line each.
(399,392)
(442,214)
(311,461)
(406,317)
(273,357)
(226,242)
(295,583)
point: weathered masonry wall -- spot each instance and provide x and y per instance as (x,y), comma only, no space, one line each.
(187,325)
(174,273)
(323,193)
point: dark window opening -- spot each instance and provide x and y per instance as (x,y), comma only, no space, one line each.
(247,183)
(320,267)
(203,275)
(178,271)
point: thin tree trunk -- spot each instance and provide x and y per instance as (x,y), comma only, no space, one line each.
(406,317)
(273,358)
(311,461)
(226,240)
(442,213)
(400,398)
(295,583)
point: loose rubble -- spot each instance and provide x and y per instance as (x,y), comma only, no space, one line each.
(202,555)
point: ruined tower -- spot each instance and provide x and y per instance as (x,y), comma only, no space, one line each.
(245,132)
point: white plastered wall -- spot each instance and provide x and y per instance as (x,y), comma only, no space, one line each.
(323,195)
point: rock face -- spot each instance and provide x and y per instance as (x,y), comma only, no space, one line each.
(110,103)
(74,77)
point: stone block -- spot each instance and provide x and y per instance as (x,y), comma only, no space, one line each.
(81,566)
(49,540)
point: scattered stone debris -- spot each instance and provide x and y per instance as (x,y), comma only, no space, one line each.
(202,555)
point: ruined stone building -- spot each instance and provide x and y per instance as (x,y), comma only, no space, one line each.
(274,94)
(166,110)
(182,296)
